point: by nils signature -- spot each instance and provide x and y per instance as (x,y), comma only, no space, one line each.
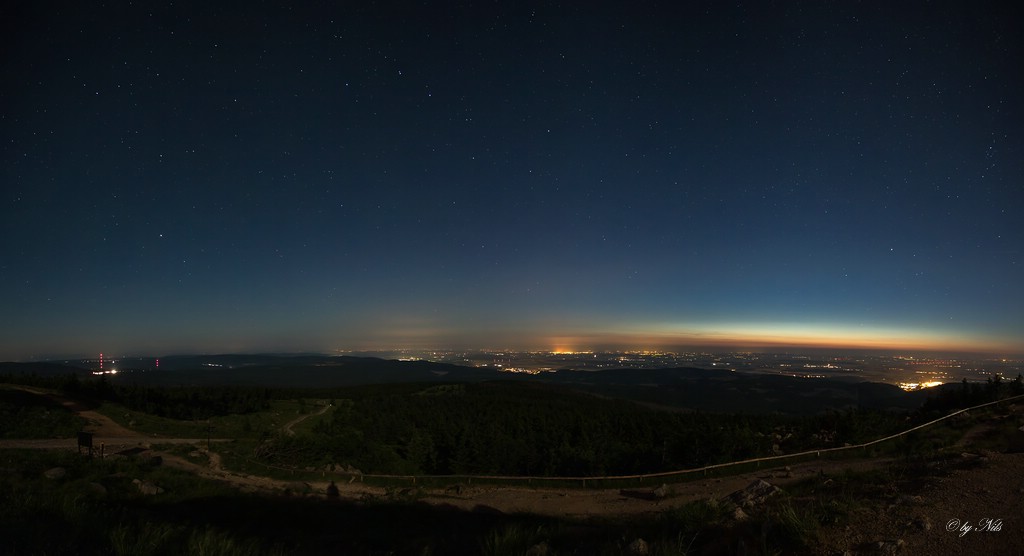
(964,527)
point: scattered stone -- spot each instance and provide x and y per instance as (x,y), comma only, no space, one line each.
(755,494)
(147,488)
(55,473)
(539,549)
(638,548)
(454,489)
(660,492)
(923,523)
(890,547)
(783,473)
(908,500)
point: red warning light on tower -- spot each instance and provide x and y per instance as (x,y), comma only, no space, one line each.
(101,361)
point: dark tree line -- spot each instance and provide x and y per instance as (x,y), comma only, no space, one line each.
(969,394)
(183,402)
(523,429)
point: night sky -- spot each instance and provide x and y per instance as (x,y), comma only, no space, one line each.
(249,177)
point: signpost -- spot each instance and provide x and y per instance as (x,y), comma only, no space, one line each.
(85,441)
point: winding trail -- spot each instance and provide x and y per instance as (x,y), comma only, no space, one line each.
(287,428)
(992,488)
(107,433)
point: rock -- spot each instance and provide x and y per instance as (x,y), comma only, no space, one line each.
(147,488)
(98,489)
(539,549)
(739,515)
(55,473)
(890,547)
(782,473)
(660,492)
(755,494)
(638,548)
(923,523)
(910,500)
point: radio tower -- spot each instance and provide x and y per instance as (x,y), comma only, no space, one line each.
(101,361)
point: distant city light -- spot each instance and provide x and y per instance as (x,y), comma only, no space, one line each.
(909,386)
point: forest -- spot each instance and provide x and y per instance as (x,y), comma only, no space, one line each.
(516,428)
(511,427)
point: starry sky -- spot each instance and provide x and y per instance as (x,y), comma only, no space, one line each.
(219,177)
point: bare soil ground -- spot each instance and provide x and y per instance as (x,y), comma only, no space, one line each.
(977,509)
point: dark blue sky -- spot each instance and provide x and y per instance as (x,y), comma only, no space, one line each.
(197,178)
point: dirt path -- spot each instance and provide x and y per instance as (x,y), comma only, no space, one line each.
(97,423)
(288,426)
(557,502)
(988,487)
(108,435)
(640,499)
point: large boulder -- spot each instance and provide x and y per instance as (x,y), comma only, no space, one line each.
(55,473)
(638,547)
(146,487)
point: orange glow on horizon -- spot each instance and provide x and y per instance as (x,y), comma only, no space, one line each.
(786,335)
